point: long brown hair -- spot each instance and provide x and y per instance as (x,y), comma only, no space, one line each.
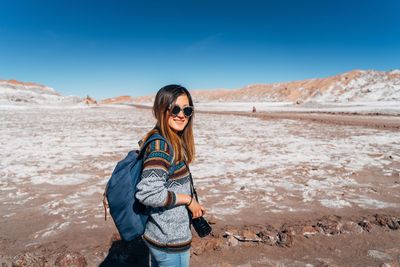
(183,141)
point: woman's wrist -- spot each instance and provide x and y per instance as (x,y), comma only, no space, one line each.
(190,202)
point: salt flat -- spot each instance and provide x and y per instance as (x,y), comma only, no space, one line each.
(54,164)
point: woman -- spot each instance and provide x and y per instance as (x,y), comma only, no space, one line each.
(167,232)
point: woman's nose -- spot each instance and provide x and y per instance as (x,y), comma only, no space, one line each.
(181,114)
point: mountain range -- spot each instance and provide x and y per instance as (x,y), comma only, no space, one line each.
(353,86)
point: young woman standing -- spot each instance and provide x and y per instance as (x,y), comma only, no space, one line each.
(167,192)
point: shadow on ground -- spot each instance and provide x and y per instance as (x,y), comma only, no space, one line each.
(123,253)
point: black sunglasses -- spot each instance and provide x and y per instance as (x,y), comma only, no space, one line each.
(187,111)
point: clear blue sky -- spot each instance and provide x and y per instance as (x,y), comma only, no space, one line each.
(111,48)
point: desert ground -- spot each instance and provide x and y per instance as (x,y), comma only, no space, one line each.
(279,190)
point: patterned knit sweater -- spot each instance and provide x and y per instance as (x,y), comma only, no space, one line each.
(168,227)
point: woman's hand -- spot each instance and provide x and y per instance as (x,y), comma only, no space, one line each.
(196,209)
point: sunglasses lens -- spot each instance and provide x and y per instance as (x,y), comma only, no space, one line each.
(175,110)
(188,111)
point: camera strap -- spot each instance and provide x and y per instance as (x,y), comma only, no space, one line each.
(192,189)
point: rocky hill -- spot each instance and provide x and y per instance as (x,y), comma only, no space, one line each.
(353,86)
(16,92)
(117,100)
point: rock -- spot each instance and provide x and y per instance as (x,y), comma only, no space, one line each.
(89,100)
(366,225)
(29,259)
(352,227)
(379,255)
(268,235)
(285,239)
(268,238)
(330,225)
(393,224)
(246,235)
(232,241)
(71,259)
(381,219)
(309,231)
(387,220)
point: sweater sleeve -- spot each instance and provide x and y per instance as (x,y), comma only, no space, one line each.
(151,190)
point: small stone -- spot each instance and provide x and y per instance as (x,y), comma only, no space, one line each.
(366,225)
(330,225)
(309,231)
(268,235)
(379,255)
(232,242)
(71,259)
(382,220)
(352,227)
(393,224)
(285,239)
(246,235)
(387,220)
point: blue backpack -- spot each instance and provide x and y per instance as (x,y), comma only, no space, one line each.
(129,215)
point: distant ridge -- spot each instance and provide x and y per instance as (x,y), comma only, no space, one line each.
(352,86)
(356,85)
(117,100)
(16,92)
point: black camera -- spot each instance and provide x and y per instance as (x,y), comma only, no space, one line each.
(201,226)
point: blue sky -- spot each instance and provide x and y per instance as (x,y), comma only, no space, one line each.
(111,48)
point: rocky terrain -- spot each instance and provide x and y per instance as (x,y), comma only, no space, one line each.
(278,191)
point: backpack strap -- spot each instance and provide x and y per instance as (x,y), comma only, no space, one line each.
(157,136)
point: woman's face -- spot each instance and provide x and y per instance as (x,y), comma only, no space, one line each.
(179,122)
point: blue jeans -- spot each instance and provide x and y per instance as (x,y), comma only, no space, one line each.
(161,258)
